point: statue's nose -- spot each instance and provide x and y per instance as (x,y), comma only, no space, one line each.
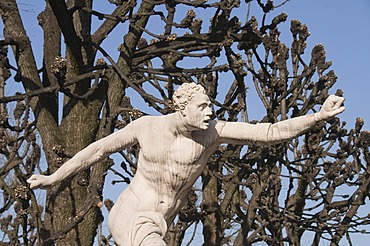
(209,112)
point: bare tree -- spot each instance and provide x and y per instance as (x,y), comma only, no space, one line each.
(311,187)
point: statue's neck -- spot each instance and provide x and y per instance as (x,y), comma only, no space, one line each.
(179,127)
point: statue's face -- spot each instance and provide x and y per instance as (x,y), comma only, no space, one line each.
(197,112)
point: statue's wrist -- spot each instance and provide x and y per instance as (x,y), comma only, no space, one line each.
(318,117)
(52,179)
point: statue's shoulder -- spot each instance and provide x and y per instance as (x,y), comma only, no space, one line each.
(148,120)
(219,125)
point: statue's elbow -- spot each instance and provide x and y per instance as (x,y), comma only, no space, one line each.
(98,153)
(267,143)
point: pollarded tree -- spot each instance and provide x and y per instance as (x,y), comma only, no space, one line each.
(82,92)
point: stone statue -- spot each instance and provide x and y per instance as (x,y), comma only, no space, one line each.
(174,150)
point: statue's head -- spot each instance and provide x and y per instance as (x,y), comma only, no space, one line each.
(192,102)
(185,93)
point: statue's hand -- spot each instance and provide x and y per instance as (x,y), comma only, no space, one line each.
(39,181)
(331,107)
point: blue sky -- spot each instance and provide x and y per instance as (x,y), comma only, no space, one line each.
(342,26)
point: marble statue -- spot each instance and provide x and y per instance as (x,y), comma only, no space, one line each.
(174,150)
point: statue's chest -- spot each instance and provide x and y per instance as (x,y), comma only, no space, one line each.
(185,151)
(176,151)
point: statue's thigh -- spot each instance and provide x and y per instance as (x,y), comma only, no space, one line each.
(121,218)
(153,240)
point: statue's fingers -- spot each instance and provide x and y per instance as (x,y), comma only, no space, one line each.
(32,178)
(338,103)
(339,110)
(34,181)
(35,184)
(32,184)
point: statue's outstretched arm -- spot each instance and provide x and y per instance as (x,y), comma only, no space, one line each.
(268,134)
(88,156)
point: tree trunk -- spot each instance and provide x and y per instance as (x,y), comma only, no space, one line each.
(211,220)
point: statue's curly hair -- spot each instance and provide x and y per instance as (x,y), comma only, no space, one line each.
(185,93)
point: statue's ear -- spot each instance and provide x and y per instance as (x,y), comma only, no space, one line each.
(182,110)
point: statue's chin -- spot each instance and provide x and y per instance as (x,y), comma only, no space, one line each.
(204,126)
(197,127)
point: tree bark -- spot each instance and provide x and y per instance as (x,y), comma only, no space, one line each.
(211,220)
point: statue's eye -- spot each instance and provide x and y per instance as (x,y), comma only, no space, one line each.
(203,106)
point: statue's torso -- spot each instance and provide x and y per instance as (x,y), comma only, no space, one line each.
(168,166)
